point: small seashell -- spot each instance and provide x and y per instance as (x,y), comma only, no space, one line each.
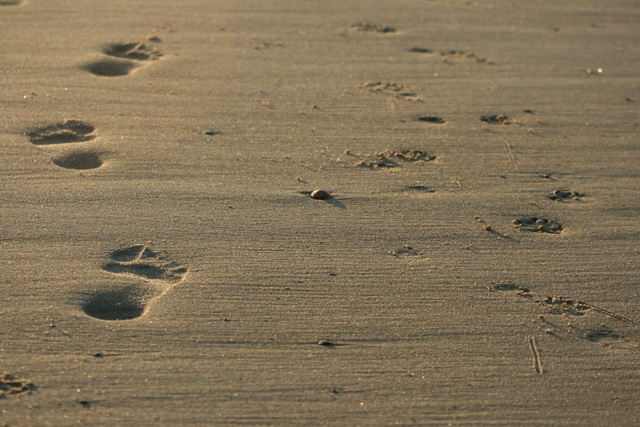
(320,194)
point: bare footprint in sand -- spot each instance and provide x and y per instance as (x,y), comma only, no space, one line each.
(79,160)
(136,51)
(132,54)
(157,276)
(62,134)
(110,68)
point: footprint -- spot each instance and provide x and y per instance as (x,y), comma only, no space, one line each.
(468,55)
(520,290)
(420,50)
(579,319)
(566,306)
(125,303)
(431,119)
(390,88)
(62,133)
(602,333)
(497,119)
(566,196)
(109,68)
(268,45)
(9,385)
(79,160)
(69,132)
(540,225)
(391,158)
(418,189)
(567,317)
(137,51)
(132,55)
(158,275)
(406,251)
(373,28)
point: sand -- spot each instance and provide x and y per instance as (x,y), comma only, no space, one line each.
(477,263)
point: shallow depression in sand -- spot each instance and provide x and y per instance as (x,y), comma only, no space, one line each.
(62,133)
(109,68)
(119,304)
(80,160)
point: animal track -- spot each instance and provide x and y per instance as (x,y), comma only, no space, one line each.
(131,53)
(420,50)
(601,333)
(390,88)
(573,317)
(129,302)
(406,251)
(11,385)
(468,55)
(137,51)
(389,158)
(431,119)
(268,45)
(62,133)
(560,305)
(540,225)
(519,289)
(419,188)
(453,54)
(373,28)
(566,196)
(496,119)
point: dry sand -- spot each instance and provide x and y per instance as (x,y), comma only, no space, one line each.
(440,309)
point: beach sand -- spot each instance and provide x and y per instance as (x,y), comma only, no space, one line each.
(476,264)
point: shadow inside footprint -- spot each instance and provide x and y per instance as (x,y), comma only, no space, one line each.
(431,119)
(127,254)
(62,133)
(565,196)
(108,68)
(119,304)
(496,119)
(146,271)
(142,261)
(80,160)
(137,51)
